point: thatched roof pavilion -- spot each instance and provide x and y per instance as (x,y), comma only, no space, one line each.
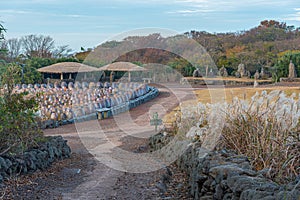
(122,67)
(66,70)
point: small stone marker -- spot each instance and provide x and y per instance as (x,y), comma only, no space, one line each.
(155,121)
(256,75)
(241,69)
(223,71)
(292,71)
(197,73)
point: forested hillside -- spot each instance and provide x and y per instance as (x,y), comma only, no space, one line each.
(270,45)
(256,48)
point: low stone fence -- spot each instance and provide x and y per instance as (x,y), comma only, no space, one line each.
(226,175)
(55,148)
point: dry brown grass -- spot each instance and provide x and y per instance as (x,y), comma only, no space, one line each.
(266,129)
(260,123)
(228,79)
(226,94)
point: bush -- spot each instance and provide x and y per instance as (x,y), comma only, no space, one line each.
(282,65)
(266,130)
(18,126)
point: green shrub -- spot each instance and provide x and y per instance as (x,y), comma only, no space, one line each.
(18,126)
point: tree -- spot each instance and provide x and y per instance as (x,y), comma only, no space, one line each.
(61,51)
(2,30)
(38,46)
(18,126)
(182,66)
(2,49)
(13,48)
(273,23)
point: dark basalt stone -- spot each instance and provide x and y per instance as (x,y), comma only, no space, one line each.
(225,175)
(55,148)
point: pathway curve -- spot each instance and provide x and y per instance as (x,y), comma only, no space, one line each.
(129,130)
(83,176)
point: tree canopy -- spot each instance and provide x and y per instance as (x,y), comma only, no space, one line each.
(257,48)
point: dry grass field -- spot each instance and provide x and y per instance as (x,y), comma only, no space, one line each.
(215,95)
(261,123)
(227,79)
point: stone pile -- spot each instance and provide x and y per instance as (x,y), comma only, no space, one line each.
(223,72)
(242,72)
(226,175)
(37,158)
(257,75)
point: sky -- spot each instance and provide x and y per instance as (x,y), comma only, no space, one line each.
(88,23)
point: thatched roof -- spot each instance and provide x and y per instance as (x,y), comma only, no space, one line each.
(67,67)
(122,66)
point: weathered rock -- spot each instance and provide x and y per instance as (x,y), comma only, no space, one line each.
(241,69)
(254,194)
(247,74)
(294,195)
(38,158)
(8,163)
(219,192)
(206,197)
(225,175)
(256,75)
(162,187)
(223,171)
(238,75)
(211,73)
(197,73)
(223,72)
(292,70)
(262,73)
(3,165)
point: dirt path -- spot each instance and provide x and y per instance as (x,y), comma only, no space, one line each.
(84,177)
(128,131)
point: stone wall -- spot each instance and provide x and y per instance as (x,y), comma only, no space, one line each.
(37,158)
(226,175)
